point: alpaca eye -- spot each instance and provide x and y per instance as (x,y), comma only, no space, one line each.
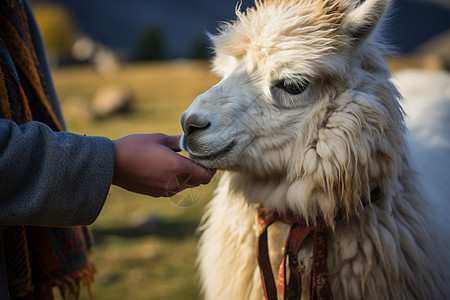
(292,86)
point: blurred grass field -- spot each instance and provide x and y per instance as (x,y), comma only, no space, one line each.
(144,247)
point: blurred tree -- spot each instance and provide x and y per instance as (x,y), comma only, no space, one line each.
(150,44)
(202,48)
(58,30)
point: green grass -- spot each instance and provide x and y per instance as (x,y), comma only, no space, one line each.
(144,247)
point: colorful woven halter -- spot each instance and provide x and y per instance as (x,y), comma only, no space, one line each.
(298,232)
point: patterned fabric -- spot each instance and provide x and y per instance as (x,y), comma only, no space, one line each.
(37,258)
(298,232)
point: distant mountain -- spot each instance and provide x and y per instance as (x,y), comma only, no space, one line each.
(119,23)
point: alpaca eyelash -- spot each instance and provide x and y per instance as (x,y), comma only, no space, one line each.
(291,93)
(292,86)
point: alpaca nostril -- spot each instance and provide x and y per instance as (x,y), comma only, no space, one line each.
(193,123)
(194,127)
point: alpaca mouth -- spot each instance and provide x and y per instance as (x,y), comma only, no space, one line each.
(216,155)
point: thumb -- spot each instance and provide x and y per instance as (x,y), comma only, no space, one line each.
(172,142)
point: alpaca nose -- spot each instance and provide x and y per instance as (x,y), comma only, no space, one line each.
(193,122)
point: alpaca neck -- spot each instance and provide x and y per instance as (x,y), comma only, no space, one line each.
(286,197)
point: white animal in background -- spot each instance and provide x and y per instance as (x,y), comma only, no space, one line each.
(308,123)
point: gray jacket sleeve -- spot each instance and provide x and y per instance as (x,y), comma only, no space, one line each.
(52,178)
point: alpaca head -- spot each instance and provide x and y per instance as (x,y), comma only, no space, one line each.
(305,99)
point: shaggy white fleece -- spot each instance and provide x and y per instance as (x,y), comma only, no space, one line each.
(306,119)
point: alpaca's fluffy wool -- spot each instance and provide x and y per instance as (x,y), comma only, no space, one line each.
(307,120)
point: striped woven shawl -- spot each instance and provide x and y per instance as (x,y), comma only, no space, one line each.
(37,258)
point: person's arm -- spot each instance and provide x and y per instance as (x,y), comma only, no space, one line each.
(52,179)
(62,179)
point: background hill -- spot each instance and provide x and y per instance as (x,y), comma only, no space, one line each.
(182,24)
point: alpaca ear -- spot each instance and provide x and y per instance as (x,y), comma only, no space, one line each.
(362,20)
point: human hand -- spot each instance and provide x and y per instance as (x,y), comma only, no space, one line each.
(147,164)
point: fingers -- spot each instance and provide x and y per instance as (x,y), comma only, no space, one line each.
(188,173)
(203,176)
(172,142)
(169,173)
(198,174)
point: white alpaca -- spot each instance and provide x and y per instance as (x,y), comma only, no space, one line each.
(307,121)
